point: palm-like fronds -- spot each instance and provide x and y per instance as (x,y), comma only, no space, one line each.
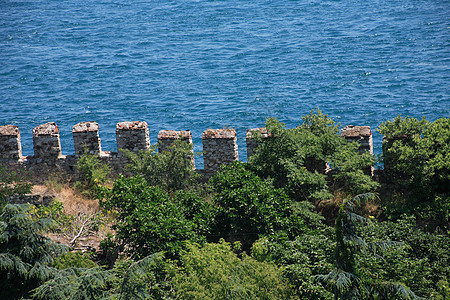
(344,279)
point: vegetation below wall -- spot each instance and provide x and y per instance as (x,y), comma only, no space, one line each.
(256,230)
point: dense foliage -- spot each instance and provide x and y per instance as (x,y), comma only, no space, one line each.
(12,184)
(247,206)
(296,159)
(256,230)
(26,255)
(417,160)
(149,220)
(92,173)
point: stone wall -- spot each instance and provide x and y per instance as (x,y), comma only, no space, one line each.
(253,138)
(86,138)
(166,139)
(10,146)
(362,135)
(46,141)
(132,136)
(219,145)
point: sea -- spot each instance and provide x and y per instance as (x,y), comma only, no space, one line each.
(195,65)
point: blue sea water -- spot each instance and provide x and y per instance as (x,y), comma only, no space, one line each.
(196,65)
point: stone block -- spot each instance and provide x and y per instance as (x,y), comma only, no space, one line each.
(219,147)
(166,139)
(360,134)
(86,138)
(47,145)
(252,139)
(132,136)
(10,146)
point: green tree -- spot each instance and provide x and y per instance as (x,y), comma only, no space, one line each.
(346,280)
(12,183)
(296,159)
(416,155)
(213,271)
(249,207)
(25,254)
(148,220)
(143,279)
(421,260)
(302,258)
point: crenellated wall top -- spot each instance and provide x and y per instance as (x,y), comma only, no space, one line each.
(85,127)
(9,130)
(229,133)
(134,125)
(46,129)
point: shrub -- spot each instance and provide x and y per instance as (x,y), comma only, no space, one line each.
(309,254)
(171,170)
(421,260)
(74,260)
(12,184)
(92,173)
(215,272)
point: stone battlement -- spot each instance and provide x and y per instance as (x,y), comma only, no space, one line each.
(219,145)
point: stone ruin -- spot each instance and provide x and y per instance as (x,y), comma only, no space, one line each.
(167,138)
(219,145)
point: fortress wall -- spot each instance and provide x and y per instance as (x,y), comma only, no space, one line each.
(132,136)
(10,146)
(86,138)
(219,145)
(362,135)
(253,138)
(46,143)
(166,139)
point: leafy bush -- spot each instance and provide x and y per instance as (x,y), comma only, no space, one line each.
(296,159)
(349,279)
(421,260)
(171,170)
(309,254)
(215,272)
(149,220)
(417,158)
(74,260)
(92,173)
(249,207)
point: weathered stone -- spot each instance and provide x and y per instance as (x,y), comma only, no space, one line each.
(46,141)
(360,134)
(86,138)
(10,146)
(166,139)
(132,136)
(35,199)
(251,139)
(219,147)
